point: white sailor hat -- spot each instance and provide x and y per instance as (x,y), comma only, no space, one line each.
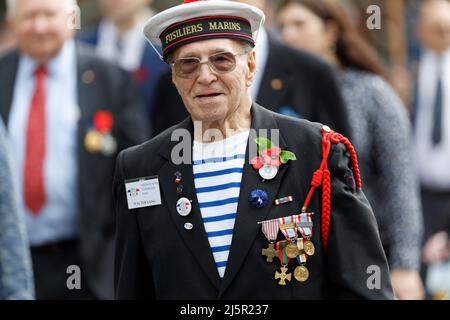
(196,20)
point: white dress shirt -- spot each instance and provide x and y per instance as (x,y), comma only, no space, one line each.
(433,161)
(58,219)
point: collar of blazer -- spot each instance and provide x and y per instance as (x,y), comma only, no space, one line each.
(8,69)
(246,227)
(278,77)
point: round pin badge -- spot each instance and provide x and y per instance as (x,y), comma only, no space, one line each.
(268,172)
(259,198)
(184,207)
(109,145)
(277,84)
(188,226)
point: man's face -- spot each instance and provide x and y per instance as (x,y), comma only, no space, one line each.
(210,96)
(433,27)
(41,27)
(119,10)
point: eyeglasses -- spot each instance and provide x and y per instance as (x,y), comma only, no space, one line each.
(189,68)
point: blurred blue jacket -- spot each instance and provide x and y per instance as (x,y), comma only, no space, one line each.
(16,277)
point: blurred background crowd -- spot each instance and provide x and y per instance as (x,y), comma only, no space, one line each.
(76,88)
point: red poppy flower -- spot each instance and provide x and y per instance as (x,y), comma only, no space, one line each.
(271,156)
(103,121)
(257,163)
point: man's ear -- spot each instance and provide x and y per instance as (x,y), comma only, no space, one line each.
(251,65)
(174,80)
(9,22)
(173,75)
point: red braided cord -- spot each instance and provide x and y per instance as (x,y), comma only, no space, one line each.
(337,138)
(322,177)
(354,159)
(317,178)
(326,188)
(318,174)
(326,207)
(316,182)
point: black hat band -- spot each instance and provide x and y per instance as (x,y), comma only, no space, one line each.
(205,28)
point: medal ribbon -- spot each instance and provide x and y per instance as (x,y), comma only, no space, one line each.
(280,246)
(270,229)
(304,217)
(290,232)
(302,257)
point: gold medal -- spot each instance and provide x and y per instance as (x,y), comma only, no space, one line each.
(308,246)
(301,274)
(283,276)
(292,250)
(93,141)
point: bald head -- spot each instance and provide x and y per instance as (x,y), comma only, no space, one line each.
(11,5)
(433,25)
(41,27)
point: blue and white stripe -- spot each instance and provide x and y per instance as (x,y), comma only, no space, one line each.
(218,168)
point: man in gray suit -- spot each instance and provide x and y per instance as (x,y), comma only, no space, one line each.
(68,114)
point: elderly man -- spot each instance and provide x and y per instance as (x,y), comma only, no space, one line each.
(68,114)
(237,217)
(287,81)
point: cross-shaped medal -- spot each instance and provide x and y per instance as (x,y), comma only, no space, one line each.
(283,276)
(270,252)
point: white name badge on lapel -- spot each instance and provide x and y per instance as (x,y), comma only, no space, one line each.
(143,192)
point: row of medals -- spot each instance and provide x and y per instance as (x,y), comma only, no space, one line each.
(301,273)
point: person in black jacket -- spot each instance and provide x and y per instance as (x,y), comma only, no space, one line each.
(238,217)
(288,81)
(68,114)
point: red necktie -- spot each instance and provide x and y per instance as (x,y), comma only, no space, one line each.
(35,147)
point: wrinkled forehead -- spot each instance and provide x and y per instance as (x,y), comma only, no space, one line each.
(207,47)
(435,11)
(34,6)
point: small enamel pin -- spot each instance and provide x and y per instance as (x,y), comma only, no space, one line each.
(184,207)
(283,200)
(259,198)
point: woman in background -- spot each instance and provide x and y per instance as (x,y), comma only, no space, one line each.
(16,280)
(380,127)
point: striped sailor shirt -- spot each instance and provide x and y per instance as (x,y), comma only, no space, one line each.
(218,168)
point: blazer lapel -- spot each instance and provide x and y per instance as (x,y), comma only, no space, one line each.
(85,77)
(8,73)
(196,239)
(276,79)
(246,226)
